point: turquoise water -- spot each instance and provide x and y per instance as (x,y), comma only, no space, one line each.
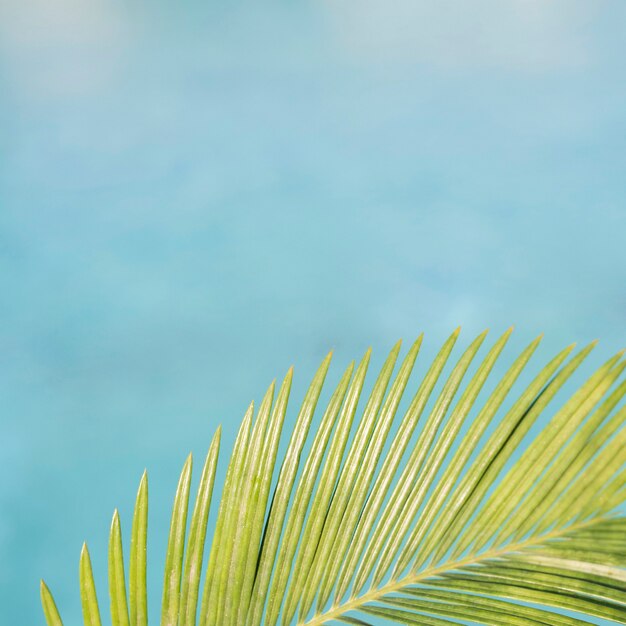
(193,200)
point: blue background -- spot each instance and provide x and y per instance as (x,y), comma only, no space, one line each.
(193,199)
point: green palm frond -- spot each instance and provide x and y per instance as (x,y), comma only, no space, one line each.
(455,512)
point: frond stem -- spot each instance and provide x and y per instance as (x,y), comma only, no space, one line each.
(394,585)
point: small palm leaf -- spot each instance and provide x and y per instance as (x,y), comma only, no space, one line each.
(456,512)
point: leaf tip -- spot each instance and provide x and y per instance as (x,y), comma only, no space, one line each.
(479,340)
(418,342)
(84,556)
(323,368)
(588,348)
(143,483)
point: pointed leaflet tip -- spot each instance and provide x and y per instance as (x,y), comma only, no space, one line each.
(536,341)
(396,349)
(43,589)
(272,388)
(479,340)
(143,486)
(50,610)
(323,368)
(325,364)
(418,342)
(586,350)
(507,334)
(89,600)
(286,381)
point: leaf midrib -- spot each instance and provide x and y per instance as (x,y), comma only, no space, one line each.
(411,579)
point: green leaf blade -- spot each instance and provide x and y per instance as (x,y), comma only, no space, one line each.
(461,515)
(175,548)
(89,599)
(117,580)
(197,534)
(51,613)
(138,594)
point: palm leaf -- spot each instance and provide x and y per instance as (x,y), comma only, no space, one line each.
(459,510)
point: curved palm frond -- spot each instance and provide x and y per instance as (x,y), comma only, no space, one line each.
(458,512)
